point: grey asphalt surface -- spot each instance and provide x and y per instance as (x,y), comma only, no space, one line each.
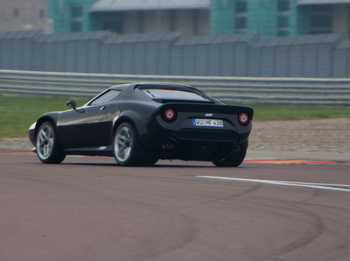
(88,208)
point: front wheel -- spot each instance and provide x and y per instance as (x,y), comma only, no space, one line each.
(47,146)
(234,159)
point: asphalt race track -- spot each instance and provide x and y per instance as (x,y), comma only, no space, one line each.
(90,209)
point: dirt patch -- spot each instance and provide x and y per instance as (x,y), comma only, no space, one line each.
(15,144)
(328,135)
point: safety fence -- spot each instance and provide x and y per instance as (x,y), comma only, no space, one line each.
(237,55)
(309,91)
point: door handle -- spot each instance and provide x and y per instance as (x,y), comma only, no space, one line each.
(102,108)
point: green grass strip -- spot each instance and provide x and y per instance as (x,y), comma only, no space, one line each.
(17,113)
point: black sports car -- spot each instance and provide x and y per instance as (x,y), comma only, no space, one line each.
(140,123)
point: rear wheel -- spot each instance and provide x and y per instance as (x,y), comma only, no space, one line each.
(127,149)
(234,159)
(151,161)
(47,146)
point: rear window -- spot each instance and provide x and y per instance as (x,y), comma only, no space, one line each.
(174,95)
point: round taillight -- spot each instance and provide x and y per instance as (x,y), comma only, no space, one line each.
(243,118)
(169,114)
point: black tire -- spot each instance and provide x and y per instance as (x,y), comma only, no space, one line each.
(234,159)
(150,161)
(47,147)
(126,147)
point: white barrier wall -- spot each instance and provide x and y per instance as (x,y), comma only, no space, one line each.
(319,91)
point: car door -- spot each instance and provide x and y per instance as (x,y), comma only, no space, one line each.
(82,127)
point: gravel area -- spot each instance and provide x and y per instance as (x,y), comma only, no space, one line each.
(15,144)
(328,135)
(331,136)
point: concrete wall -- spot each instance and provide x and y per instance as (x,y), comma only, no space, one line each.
(181,20)
(341,18)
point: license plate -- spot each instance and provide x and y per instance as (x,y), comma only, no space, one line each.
(207,123)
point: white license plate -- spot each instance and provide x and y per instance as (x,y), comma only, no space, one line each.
(207,123)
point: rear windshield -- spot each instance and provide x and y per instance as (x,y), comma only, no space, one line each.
(174,95)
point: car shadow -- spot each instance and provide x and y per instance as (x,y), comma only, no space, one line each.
(153,166)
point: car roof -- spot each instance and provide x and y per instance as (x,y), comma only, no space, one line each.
(128,89)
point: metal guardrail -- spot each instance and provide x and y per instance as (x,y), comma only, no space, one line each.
(228,89)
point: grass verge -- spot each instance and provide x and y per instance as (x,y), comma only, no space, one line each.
(17,113)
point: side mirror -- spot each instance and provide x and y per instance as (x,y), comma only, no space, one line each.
(72,104)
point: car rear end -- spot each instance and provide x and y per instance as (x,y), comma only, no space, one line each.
(192,131)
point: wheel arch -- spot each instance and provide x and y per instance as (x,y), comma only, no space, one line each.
(45,118)
(129,117)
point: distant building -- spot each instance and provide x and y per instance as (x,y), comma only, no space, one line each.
(17,15)
(189,17)
(71,15)
(280,17)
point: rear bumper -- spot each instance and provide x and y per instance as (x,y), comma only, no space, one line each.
(194,150)
(193,144)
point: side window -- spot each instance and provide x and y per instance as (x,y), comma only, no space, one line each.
(111,95)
